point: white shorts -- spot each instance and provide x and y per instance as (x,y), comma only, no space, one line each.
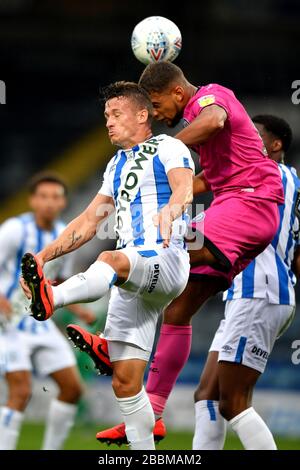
(155,279)
(45,351)
(249,330)
(120,351)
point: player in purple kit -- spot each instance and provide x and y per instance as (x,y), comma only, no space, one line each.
(243,218)
(239,224)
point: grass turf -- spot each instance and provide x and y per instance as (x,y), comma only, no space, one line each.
(82,437)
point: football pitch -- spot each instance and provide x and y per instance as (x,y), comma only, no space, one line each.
(82,437)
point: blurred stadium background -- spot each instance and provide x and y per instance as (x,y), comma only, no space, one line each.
(54,55)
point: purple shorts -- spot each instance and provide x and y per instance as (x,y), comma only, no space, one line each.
(236,229)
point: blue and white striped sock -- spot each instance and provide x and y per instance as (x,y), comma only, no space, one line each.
(210,426)
(10,425)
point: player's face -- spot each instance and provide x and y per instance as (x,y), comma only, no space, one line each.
(122,121)
(272,144)
(266,137)
(48,201)
(167,107)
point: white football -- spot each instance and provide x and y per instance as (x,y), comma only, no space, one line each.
(156,38)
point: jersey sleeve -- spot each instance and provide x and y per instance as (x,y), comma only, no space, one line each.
(11,234)
(10,239)
(215,96)
(106,187)
(175,154)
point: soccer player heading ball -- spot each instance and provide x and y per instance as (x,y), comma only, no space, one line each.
(149,183)
(239,224)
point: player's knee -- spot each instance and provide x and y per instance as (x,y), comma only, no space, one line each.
(106,256)
(19,396)
(124,388)
(76,393)
(200,394)
(71,393)
(177,316)
(115,259)
(231,406)
(226,408)
(234,400)
(206,391)
(109,258)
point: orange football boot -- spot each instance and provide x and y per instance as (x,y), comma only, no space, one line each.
(117,435)
(95,346)
(42,306)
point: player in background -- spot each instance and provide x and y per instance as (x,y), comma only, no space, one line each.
(149,182)
(25,342)
(241,221)
(260,305)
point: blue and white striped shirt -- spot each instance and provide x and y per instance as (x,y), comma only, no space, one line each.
(19,235)
(137,181)
(270,275)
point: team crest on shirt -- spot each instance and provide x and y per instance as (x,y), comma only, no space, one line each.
(206,100)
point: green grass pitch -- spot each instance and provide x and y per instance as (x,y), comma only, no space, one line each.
(82,437)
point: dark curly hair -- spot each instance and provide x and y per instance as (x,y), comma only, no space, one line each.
(159,76)
(46,177)
(276,126)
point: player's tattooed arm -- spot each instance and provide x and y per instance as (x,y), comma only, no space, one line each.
(58,252)
(74,238)
(80,230)
(210,121)
(74,243)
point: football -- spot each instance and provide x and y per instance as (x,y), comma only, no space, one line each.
(156,38)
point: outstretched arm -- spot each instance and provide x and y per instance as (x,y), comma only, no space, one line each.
(210,121)
(80,230)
